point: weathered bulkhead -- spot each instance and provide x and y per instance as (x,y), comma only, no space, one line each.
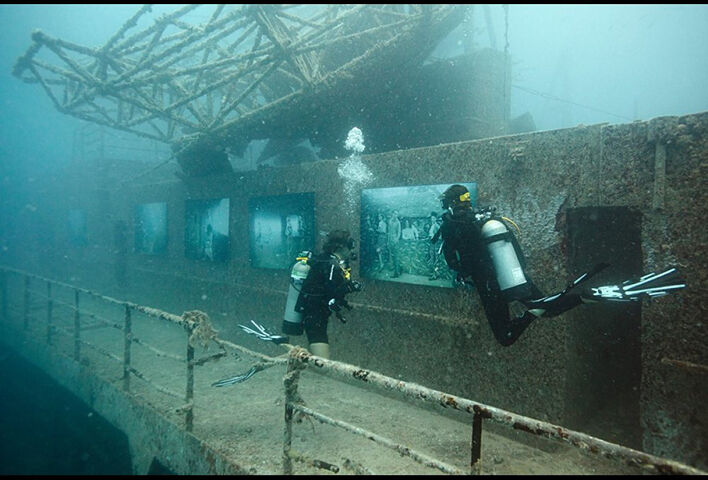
(646,179)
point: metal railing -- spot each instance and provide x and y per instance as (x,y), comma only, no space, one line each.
(197,328)
(195,324)
(301,358)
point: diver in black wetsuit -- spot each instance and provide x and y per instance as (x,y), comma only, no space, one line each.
(481,249)
(324,289)
(319,285)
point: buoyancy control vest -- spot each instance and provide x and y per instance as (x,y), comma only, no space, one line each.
(478,244)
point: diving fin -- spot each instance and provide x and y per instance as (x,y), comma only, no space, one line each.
(648,286)
(261,332)
(557,303)
(237,379)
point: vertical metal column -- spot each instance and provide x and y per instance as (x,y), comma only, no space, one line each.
(476,448)
(127,340)
(77,327)
(290,381)
(50,305)
(189,414)
(27,302)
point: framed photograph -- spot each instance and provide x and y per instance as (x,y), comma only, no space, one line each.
(206,230)
(281,226)
(77,228)
(151,228)
(397,226)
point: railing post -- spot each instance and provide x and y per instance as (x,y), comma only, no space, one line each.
(27,302)
(290,381)
(127,341)
(189,414)
(49,313)
(77,327)
(476,448)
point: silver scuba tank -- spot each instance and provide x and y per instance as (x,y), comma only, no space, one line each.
(298,274)
(506,264)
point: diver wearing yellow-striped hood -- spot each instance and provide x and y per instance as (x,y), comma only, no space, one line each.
(479,246)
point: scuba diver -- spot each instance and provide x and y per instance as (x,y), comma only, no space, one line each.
(483,251)
(325,281)
(318,286)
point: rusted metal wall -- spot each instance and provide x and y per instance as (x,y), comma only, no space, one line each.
(660,166)
(439,337)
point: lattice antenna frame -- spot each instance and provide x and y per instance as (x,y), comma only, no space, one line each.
(175,80)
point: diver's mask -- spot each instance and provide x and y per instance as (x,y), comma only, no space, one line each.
(346,253)
(451,197)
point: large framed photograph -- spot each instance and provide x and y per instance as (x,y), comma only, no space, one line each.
(281,226)
(151,228)
(397,226)
(77,227)
(206,234)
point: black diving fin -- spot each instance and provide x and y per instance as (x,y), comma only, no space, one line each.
(554,304)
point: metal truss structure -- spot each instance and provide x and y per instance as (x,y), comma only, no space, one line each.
(248,72)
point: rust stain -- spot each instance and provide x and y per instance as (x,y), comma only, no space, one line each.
(521,426)
(483,412)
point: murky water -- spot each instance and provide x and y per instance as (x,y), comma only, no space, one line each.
(46,430)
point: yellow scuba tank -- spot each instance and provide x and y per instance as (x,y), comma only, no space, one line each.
(507,267)
(292,320)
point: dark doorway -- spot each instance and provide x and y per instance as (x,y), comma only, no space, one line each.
(604,370)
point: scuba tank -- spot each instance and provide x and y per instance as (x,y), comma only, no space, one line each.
(292,319)
(508,270)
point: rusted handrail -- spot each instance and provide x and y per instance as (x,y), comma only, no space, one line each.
(127,342)
(298,359)
(186,322)
(420,394)
(128,370)
(401,449)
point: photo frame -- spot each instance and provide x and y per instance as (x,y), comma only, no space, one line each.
(397,225)
(280,227)
(150,222)
(206,234)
